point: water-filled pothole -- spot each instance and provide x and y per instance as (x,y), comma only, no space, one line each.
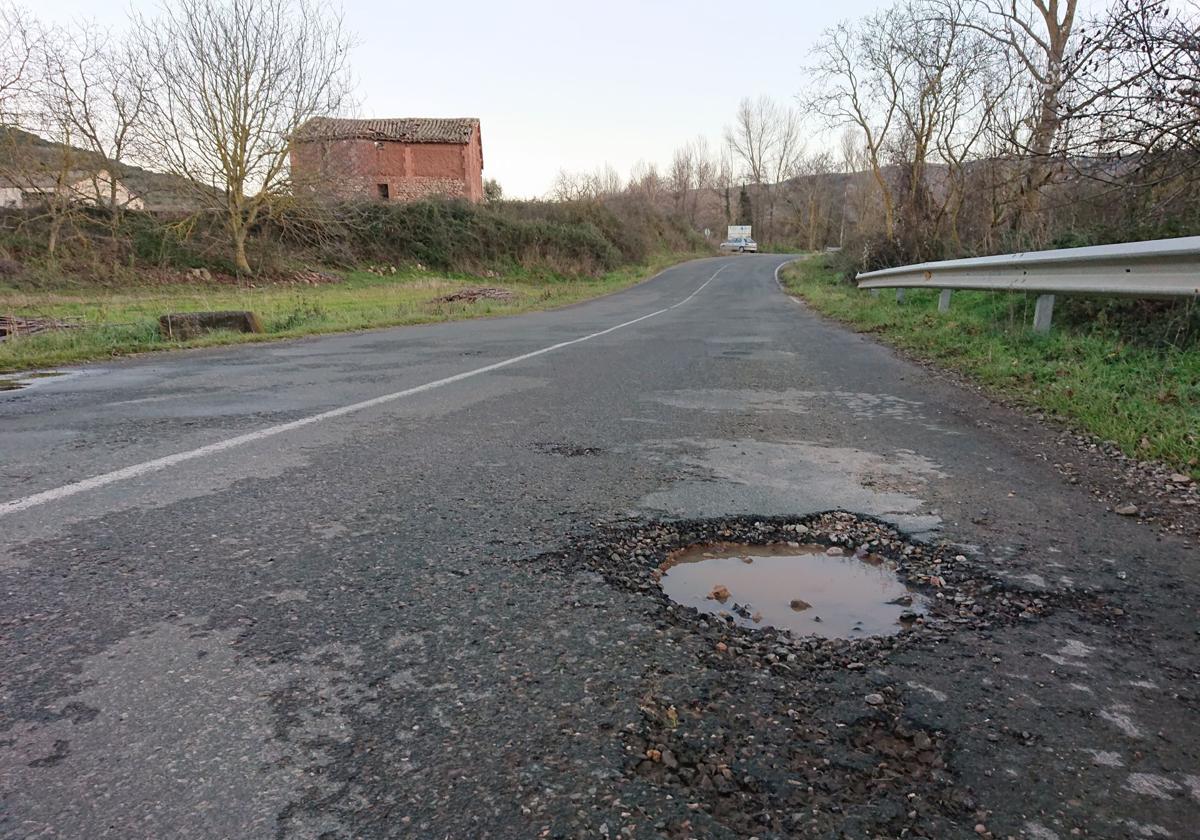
(798,588)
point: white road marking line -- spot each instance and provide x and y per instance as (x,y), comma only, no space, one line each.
(157,464)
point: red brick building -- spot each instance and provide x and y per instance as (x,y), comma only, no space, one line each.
(389,160)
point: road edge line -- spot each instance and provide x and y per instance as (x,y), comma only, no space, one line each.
(158,464)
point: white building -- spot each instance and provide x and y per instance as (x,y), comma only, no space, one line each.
(95,188)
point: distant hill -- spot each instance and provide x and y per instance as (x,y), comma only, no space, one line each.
(161,193)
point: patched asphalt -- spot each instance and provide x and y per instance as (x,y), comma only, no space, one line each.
(439,616)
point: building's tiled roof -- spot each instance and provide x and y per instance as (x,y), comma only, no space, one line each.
(405,130)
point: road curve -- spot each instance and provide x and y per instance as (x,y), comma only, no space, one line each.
(331,588)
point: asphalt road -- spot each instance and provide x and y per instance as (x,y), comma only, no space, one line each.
(429,615)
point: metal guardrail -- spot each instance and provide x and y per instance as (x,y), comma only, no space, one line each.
(1158,268)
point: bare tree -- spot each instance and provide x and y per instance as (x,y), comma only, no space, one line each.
(946,63)
(20,37)
(813,198)
(646,182)
(96,95)
(602,182)
(765,138)
(706,170)
(37,176)
(857,79)
(1039,34)
(692,174)
(234,80)
(706,166)
(856,191)
(607,182)
(568,186)
(1143,99)
(723,181)
(912,80)
(680,177)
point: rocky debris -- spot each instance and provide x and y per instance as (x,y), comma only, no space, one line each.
(305,277)
(181,326)
(381,270)
(475,294)
(1126,510)
(312,278)
(874,699)
(768,771)
(719,593)
(1159,493)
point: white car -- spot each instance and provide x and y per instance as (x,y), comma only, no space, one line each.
(740,245)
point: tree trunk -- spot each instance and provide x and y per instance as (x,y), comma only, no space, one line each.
(239,251)
(812,221)
(1041,143)
(55,227)
(889,218)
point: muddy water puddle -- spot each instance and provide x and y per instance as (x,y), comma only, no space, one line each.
(24,380)
(798,588)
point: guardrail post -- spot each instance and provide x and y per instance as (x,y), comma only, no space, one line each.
(944,300)
(899,296)
(1042,313)
(874,292)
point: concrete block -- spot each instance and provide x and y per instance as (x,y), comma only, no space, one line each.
(181,326)
(1043,312)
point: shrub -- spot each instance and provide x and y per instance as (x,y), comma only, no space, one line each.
(456,236)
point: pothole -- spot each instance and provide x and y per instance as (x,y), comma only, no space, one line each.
(957,593)
(805,589)
(567,450)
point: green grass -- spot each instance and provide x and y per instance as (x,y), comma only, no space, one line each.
(124,320)
(1114,378)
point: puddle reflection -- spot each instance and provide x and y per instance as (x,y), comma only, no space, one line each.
(802,589)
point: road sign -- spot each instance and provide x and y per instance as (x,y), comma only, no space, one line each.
(736,231)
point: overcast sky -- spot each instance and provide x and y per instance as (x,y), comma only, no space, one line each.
(565,85)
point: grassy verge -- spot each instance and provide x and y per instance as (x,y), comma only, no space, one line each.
(1102,376)
(124,320)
